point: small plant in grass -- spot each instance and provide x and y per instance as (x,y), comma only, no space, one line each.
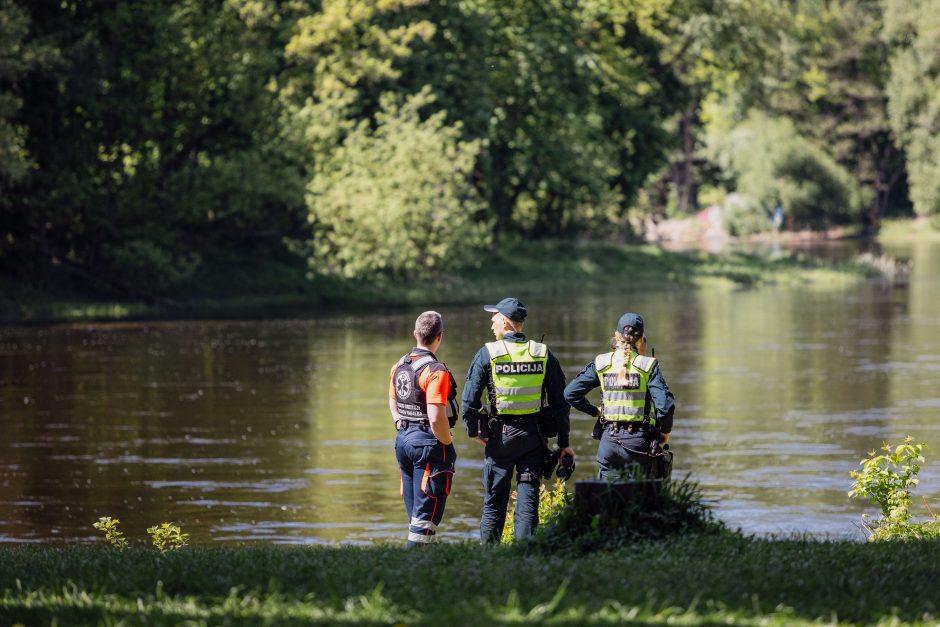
(168,537)
(109,527)
(551,504)
(886,480)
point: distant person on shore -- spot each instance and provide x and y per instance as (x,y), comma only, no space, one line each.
(637,407)
(422,399)
(525,386)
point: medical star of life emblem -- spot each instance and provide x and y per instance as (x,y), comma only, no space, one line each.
(403,385)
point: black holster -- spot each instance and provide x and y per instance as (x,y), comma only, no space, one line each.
(549,461)
(484,429)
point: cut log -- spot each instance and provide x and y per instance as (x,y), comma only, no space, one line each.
(597,497)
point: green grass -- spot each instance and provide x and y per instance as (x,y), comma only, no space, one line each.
(917,229)
(929,530)
(699,578)
(554,267)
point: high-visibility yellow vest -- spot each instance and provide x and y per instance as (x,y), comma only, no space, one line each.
(518,370)
(624,391)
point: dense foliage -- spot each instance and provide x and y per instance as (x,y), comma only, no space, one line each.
(147,147)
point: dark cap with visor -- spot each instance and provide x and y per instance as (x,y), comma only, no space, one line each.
(509,307)
(630,320)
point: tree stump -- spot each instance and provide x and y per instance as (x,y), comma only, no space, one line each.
(598,497)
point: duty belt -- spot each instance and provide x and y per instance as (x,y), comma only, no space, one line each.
(630,426)
(413,423)
(517,417)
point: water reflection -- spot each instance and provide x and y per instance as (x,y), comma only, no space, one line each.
(278,431)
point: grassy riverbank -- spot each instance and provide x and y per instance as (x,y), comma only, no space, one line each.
(532,268)
(713,578)
(910,230)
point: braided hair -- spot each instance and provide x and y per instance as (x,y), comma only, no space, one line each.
(626,341)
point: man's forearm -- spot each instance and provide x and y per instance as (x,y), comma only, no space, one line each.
(437,415)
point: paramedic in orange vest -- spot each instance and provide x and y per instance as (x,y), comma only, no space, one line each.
(422,401)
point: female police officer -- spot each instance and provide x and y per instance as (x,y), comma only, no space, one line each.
(637,405)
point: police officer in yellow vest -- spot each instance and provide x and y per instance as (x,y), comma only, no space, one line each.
(526,404)
(637,405)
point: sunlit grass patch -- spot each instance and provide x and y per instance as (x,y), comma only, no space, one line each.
(916,229)
(690,578)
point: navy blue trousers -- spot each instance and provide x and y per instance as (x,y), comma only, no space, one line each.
(515,447)
(622,451)
(427,469)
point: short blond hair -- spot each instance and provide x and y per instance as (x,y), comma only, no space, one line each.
(428,326)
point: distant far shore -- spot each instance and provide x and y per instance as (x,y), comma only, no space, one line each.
(541,267)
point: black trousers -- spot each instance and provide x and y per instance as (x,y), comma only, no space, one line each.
(515,447)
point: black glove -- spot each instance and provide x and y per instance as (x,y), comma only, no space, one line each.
(472,419)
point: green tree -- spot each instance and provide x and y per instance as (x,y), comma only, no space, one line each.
(14,60)
(911,28)
(396,200)
(717,50)
(568,99)
(157,145)
(831,81)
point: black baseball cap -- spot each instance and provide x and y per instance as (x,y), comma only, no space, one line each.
(509,307)
(630,320)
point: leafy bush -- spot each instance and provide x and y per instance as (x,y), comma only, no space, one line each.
(109,526)
(168,537)
(741,216)
(772,164)
(397,200)
(156,267)
(886,481)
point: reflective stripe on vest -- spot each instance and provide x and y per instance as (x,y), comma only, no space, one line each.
(624,391)
(518,371)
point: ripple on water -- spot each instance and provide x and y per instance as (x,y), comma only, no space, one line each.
(216,503)
(921,403)
(270,485)
(342,471)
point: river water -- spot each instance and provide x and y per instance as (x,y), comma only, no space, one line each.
(278,430)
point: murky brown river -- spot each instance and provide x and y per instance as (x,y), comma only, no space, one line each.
(278,430)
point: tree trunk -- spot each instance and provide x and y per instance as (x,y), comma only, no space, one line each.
(683,170)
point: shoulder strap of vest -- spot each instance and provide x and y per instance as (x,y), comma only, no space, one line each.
(644,363)
(421,362)
(496,349)
(603,362)
(416,364)
(537,349)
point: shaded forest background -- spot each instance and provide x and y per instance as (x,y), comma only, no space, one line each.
(149,147)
